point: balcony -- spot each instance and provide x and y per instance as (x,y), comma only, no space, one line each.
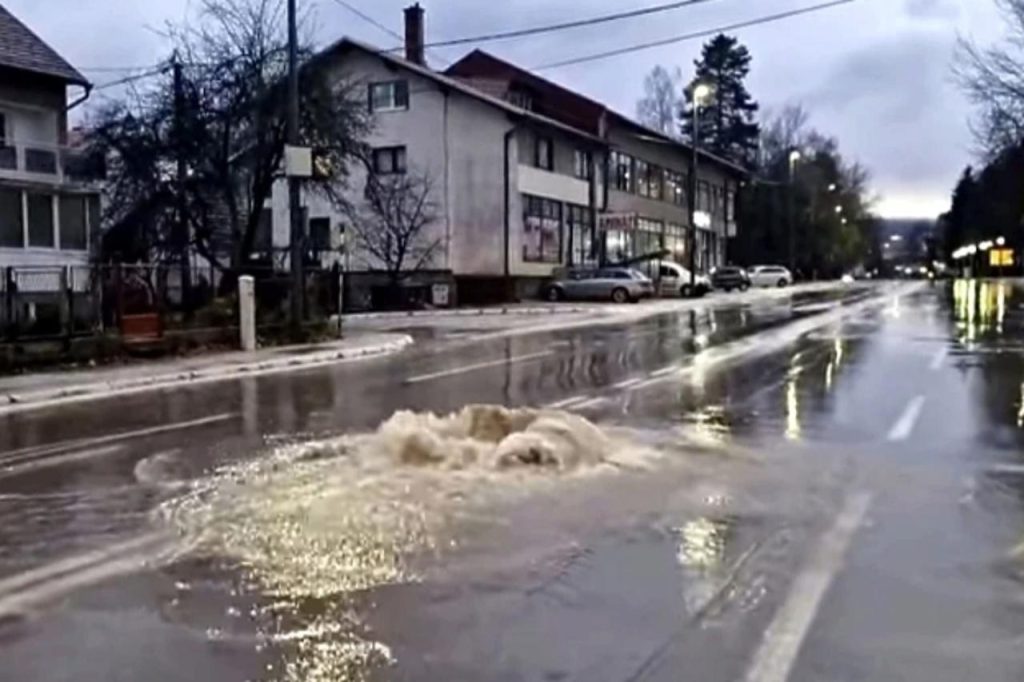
(49,163)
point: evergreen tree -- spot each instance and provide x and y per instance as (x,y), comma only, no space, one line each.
(727,118)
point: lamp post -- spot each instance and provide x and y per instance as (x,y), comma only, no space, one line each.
(700,93)
(794,158)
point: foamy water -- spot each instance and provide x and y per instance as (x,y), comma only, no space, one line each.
(318,522)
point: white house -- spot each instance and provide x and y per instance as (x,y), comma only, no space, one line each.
(518,166)
(48,217)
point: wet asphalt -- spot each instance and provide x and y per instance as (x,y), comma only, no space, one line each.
(845,504)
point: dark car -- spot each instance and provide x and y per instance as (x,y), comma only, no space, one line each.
(729,277)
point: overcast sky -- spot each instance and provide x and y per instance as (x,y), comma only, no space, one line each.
(874,73)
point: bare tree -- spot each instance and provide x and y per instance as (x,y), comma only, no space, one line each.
(662,101)
(993,79)
(391,228)
(230,133)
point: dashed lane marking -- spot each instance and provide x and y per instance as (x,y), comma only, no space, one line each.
(904,426)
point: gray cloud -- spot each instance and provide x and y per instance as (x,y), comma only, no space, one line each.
(931,9)
(873,73)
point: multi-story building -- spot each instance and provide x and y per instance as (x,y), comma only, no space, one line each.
(518,166)
(48,216)
(646,206)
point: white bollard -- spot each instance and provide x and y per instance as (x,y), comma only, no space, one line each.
(247,312)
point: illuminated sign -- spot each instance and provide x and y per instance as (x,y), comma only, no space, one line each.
(999,258)
(616,221)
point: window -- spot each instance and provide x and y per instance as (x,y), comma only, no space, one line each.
(543,156)
(643,187)
(582,164)
(519,98)
(675,188)
(675,242)
(3,129)
(74,232)
(389,96)
(581,233)
(622,171)
(542,230)
(40,220)
(11,226)
(320,234)
(703,196)
(389,160)
(655,182)
(730,206)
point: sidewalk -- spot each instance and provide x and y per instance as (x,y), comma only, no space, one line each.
(28,391)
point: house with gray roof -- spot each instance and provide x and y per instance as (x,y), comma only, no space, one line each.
(49,213)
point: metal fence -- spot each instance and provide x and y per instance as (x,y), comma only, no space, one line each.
(136,304)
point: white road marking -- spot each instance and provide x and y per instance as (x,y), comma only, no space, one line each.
(61,567)
(568,402)
(480,365)
(13,456)
(938,359)
(56,585)
(1011,469)
(665,371)
(46,461)
(593,402)
(774,660)
(629,383)
(904,426)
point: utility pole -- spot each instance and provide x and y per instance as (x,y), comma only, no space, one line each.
(296,233)
(181,226)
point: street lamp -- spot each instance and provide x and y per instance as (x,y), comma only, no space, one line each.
(896,238)
(701,91)
(833,187)
(839,210)
(794,158)
(1000,241)
(985,245)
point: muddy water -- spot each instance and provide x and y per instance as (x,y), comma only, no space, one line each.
(360,556)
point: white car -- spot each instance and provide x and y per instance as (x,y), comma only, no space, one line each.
(674,280)
(770,276)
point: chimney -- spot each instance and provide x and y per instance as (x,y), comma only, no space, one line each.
(414,34)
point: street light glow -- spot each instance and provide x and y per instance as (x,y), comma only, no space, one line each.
(896,238)
(795,156)
(701,92)
(839,209)
(833,187)
(1000,241)
(985,245)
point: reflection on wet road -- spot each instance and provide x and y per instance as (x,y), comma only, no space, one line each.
(798,490)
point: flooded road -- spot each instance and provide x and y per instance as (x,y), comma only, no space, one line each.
(820,487)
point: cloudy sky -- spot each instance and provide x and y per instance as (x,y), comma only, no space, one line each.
(873,73)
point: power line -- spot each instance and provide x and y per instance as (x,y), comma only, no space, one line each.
(131,79)
(692,36)
(368,19)
(394,34)
(568,24)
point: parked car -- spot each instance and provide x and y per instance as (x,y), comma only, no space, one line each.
(770,276)
(730,277)
(620,285)
(675,281)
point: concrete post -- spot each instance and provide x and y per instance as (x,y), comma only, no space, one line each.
(341,299)
(247,312)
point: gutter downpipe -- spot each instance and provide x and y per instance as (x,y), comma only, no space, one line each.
(80,100)
(508,218)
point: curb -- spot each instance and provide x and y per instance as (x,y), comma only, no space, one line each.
(466,312)
(12,402)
